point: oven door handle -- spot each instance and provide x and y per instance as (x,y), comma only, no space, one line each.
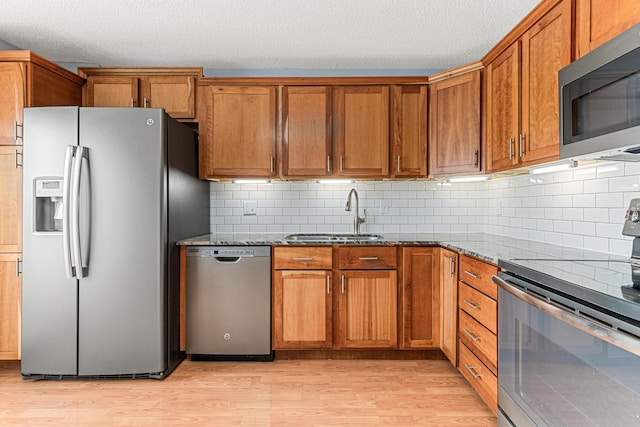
(603,332)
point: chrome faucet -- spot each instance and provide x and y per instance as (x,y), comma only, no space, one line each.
(357,219)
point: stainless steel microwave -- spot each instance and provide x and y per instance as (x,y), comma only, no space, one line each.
(600,98)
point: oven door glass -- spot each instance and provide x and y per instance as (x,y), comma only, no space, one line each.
(554,374)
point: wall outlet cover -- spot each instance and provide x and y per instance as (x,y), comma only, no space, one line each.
(385,206)
(250,207)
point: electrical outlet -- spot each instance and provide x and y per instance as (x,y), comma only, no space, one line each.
(499,208)
(250,207)
(385,206)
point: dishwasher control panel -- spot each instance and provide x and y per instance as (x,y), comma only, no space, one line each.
(229,251)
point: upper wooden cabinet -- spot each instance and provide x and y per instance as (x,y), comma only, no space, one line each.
(307,142)
(237,131)
(409,127)
(522,111)
(361,131)
(598,21)
(173,89)
(454,123)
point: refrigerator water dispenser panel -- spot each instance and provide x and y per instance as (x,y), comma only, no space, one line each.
(48,205)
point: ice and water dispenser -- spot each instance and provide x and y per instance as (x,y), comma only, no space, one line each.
(48,205)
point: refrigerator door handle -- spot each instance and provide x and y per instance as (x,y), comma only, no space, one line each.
(66,212)
(81,153)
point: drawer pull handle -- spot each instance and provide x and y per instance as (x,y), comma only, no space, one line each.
(474,275)
(303,258)
(471,335)
(368,258)
(472,305)
(473,372)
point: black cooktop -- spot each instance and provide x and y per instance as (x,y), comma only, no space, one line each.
(604,283)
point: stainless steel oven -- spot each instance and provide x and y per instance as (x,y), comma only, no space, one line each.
(569,355)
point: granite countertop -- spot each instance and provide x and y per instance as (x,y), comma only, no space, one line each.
(488,247)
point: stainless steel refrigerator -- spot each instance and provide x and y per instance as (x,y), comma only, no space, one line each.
(106,194)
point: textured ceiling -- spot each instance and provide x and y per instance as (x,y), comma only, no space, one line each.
(264,34)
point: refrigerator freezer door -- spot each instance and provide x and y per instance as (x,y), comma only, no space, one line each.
(122,299)
(49,298)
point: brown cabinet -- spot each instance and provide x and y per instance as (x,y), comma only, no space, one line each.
(522,114)
(409,127)
(302,302)
(454,124)
(598,21)
(361,131)
(307,142)
(10,297)
(420,307)
(237,131)
(173,89)
(478,327)
(26,80)
(449,304)
(368,297)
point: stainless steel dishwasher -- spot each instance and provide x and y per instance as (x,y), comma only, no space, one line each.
(228,311)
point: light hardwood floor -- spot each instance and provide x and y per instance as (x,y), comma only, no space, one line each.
(256,394)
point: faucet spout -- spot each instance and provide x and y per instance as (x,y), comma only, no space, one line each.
(357,219)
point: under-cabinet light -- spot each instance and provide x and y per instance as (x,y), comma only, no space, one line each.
(335,181)
(251,181)
(554,168)
(477,178)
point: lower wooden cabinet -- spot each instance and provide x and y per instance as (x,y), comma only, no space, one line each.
(368,309)
(420,307)
(10,300)
(449,304)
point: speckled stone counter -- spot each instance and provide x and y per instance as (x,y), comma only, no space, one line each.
(488,247)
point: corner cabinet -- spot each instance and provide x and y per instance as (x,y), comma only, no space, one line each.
(420,307)
(302,298)
(26,80)
(454,122)
(173,89)
(368,297)
(449,304)
(598,21)
(522,107)
(237,131)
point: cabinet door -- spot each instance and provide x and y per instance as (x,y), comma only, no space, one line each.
(12,97)
(361,130)
(112,92)
(420,298)
(503,109)
(449,304)
(176,94)
(10,199)
(302,309)
(454,125)
(238,136)
(598,21)
(546,48)
(306,131)
(368,309)
(10,296)
(409,119)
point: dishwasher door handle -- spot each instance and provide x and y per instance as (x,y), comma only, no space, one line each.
(227,259)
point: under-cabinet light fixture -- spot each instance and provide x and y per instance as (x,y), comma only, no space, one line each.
(477,178)
(251,181)
(554,168)
(335,181)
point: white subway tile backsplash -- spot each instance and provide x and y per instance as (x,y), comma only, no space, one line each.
(582,208)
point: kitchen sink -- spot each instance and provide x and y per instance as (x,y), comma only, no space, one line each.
(332,237)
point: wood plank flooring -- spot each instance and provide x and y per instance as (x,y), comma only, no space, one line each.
(256,394)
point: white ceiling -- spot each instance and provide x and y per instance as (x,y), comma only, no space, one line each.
(262,34)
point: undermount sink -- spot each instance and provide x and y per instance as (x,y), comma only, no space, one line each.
(331,237)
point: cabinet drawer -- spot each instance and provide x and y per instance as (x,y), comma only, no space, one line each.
(302,258)
(478,274)
(368,257)
(480,377)
(479,306)
(480,340)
